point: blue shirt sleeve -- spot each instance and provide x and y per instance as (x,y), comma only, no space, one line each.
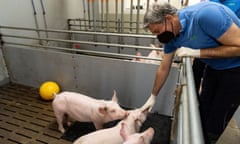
(214,21)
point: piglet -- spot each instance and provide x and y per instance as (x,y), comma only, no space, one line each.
(154,54)
(136,138)
(112,135)
(79,107)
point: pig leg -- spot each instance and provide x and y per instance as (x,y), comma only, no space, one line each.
(60,117)
(98,125)
(69,120)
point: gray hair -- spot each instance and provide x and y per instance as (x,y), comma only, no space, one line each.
(157,13)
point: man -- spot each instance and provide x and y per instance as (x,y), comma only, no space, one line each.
(209,31)
(234,5)
(198,65)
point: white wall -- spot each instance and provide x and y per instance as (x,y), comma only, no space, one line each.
(74,8)
(19,13)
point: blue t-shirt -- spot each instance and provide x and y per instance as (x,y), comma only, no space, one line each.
(202,24)
(232,4)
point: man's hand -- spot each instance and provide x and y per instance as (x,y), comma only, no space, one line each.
(149,103)
(185,51)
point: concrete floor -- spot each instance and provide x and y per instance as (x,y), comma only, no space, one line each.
(231,135)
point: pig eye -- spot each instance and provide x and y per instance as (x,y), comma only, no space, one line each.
(113,111)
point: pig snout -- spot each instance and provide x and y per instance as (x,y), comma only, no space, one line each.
(115,112)
(136,138)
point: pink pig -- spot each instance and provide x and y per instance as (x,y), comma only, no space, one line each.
(136,138)
(112,135)
(82,108)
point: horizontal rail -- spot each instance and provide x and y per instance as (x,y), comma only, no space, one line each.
(111,21)
(103,27)
(79,32)
(90,52)
(85,42)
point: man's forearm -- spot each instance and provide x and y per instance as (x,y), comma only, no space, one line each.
(220,52)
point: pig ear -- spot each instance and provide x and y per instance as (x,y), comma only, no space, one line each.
(103,110)
(114,97)
(124,131)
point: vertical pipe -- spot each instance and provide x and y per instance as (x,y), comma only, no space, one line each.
(138,15)
(89,15)
(186,131)
(147,5)
(195,123)
(93,15)
(122,21)
(84,14)
(102,15)
(116,15)
(44,17)
(107,19)
(107,15)
(80,24)
(137,22)
(131,15)
(180,127)
(36,22)
(122,16)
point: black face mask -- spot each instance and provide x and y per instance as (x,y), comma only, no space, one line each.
(165,36)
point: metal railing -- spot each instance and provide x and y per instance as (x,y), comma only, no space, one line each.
(189,127)
(99,53)
(189,124)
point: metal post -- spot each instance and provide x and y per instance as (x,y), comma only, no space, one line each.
(131,14)
(116,14)
(36,21)
(107,15)
(102,15)
(122,16)
(44,17)
(84,14)
(138,16)
(195,123)
(89,14)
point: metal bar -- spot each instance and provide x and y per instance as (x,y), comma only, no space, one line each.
(186,125)
(35,19)
(131,15)
(94,16)
(102,14)
(138,15)
(44,17)
(85,42)
(180,126)
(89,14)
(147,5)
(73,28)
(115,55)
(111,21)
(116,14)
(122,16)
(79,32)
(84,13)
(195,123)
(107,15)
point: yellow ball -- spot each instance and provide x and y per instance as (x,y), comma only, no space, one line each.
(47,89)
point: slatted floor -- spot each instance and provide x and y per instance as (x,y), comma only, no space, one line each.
(25,118)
